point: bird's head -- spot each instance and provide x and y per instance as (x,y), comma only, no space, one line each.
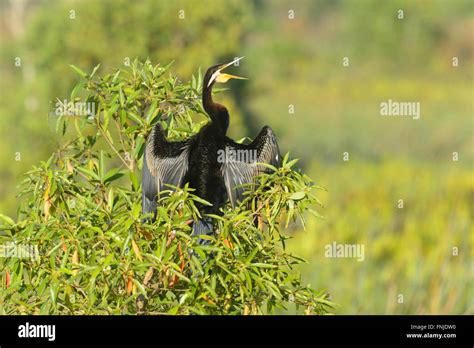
(215,74)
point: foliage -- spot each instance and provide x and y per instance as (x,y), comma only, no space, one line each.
(96,255)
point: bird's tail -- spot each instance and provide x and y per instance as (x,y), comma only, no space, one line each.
(203,227)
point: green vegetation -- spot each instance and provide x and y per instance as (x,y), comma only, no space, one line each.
(422,251)
(96,256)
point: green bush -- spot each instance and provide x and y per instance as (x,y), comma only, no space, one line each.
(93,254)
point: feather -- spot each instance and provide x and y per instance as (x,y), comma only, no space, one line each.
(165,163)
(240,171)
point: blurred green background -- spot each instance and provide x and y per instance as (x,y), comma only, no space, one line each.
(294,61)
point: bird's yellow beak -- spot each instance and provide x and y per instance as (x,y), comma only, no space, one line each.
(220,77)
(223,78)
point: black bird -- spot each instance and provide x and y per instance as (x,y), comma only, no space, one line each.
(213,164)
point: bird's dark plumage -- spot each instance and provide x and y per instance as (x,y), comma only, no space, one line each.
(209,161)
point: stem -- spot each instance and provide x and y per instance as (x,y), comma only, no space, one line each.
(113,147)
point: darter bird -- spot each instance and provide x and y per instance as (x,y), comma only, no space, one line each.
(209,160)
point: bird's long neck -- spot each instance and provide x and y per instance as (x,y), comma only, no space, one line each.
(218,113)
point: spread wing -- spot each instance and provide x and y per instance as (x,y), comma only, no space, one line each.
(164,163)
(241,163)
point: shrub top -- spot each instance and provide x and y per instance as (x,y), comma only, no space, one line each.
(79,245)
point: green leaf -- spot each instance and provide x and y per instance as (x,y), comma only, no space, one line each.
(251,255)
(7,220)
(151,112)
(135,117)
(113,174)
(94,71)
(134,180)
(78,71)
(298,196)
(88,173)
